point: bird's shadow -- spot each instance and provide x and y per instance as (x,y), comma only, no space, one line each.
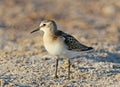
(110,57)
(102,57)
(107,57)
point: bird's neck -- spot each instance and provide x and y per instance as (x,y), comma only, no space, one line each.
(49,36)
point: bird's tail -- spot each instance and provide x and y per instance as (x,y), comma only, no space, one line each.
(87,49)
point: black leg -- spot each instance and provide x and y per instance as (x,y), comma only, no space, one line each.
(69,64)
(56,76)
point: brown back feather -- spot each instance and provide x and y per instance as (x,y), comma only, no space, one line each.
(71,42)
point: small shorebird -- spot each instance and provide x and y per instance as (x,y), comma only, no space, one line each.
(59,43)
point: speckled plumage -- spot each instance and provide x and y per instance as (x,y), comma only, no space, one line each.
(71,42)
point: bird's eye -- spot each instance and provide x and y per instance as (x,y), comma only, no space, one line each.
(44,24)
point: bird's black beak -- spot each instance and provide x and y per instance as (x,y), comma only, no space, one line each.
(37,29)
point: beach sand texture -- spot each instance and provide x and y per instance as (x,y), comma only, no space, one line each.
(24,61)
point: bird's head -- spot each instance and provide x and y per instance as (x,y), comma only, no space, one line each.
(46,26)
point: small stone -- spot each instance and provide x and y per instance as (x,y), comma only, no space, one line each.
(2,82)
(117,77)
(109,10)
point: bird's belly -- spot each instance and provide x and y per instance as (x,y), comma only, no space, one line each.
(55,49)
(60,51)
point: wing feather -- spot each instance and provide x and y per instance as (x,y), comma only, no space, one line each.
(72,43)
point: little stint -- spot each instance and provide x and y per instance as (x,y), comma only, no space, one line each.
(59,43)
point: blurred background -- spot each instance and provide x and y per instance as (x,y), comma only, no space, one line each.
(23,59)
(92,22)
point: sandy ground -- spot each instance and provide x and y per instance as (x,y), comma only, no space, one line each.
(24,61)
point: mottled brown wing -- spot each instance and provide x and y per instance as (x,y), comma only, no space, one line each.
(72,43)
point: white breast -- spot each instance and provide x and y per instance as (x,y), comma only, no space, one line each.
(54,47)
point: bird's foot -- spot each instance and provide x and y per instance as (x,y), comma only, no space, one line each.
(56,76)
